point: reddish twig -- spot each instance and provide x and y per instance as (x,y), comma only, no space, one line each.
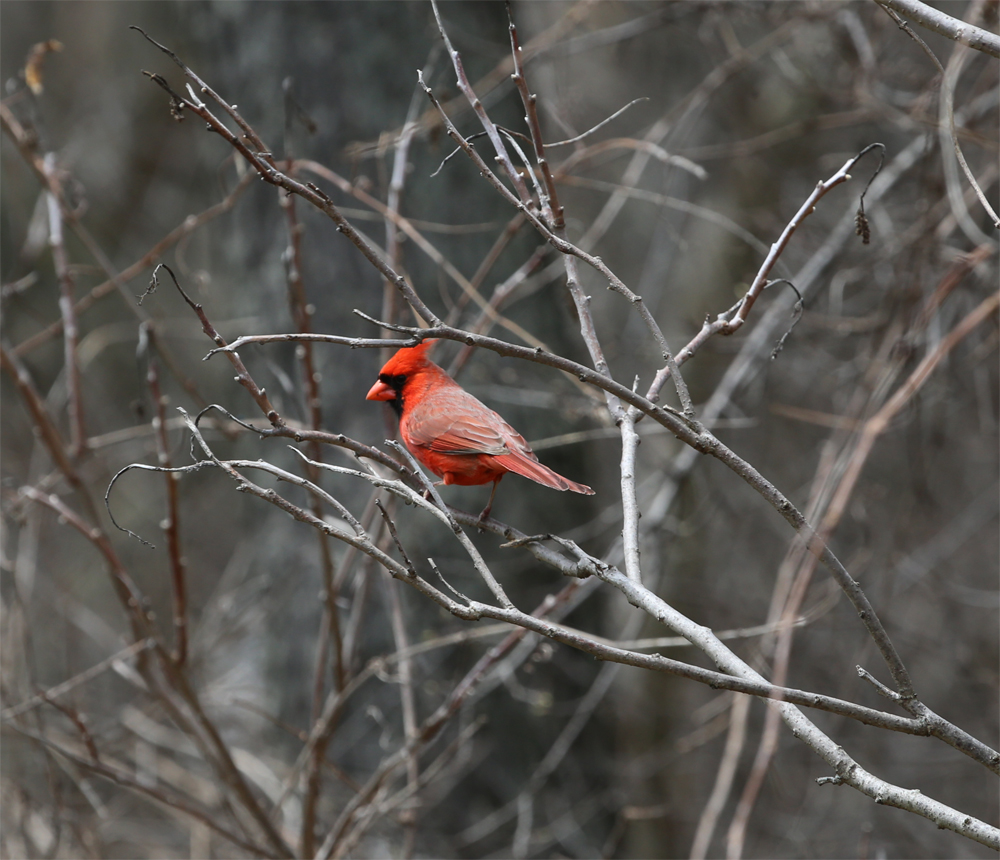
(302,312)
(330,632)
(171,523)
(551,209)
(489,261)
(43,422)
(501,293)
(78,720)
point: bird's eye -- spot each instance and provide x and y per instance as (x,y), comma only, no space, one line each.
(392,381)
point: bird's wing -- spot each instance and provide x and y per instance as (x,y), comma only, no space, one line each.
(452,421)
(449,420)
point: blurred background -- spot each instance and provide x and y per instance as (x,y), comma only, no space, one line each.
(749,105)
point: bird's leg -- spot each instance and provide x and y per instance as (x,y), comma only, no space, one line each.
(489,504)
(427,493)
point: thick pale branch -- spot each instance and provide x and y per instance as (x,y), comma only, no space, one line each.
(944,24)
(630,505)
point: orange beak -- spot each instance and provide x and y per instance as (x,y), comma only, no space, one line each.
(381,391)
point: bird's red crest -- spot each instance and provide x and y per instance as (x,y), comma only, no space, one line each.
(408,359)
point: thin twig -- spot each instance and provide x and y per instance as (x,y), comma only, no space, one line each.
(946,117)
(76,680)
(261,160)
(43,422)
(405,673)
(502,157)
(53,181)
(723,779)
(469,288)
(330,635)
(791,583)
(501,294)
(731,320)
(582,302)
(242,374)
(67,287)
(188,226)
(733,323)
(599,126)
(131,598)
(123,778)
(570,251)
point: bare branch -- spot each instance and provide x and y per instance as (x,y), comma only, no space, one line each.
(630,507)
(71,333)
(503,158)
(242,375)
(125,779)
(949,27)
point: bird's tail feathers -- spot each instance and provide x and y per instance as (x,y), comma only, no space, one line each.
(522,465)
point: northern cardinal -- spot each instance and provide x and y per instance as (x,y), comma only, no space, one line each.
(459,439)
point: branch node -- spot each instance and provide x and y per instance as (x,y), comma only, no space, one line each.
(882,689)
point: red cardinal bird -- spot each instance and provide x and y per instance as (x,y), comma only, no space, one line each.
(454,435)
